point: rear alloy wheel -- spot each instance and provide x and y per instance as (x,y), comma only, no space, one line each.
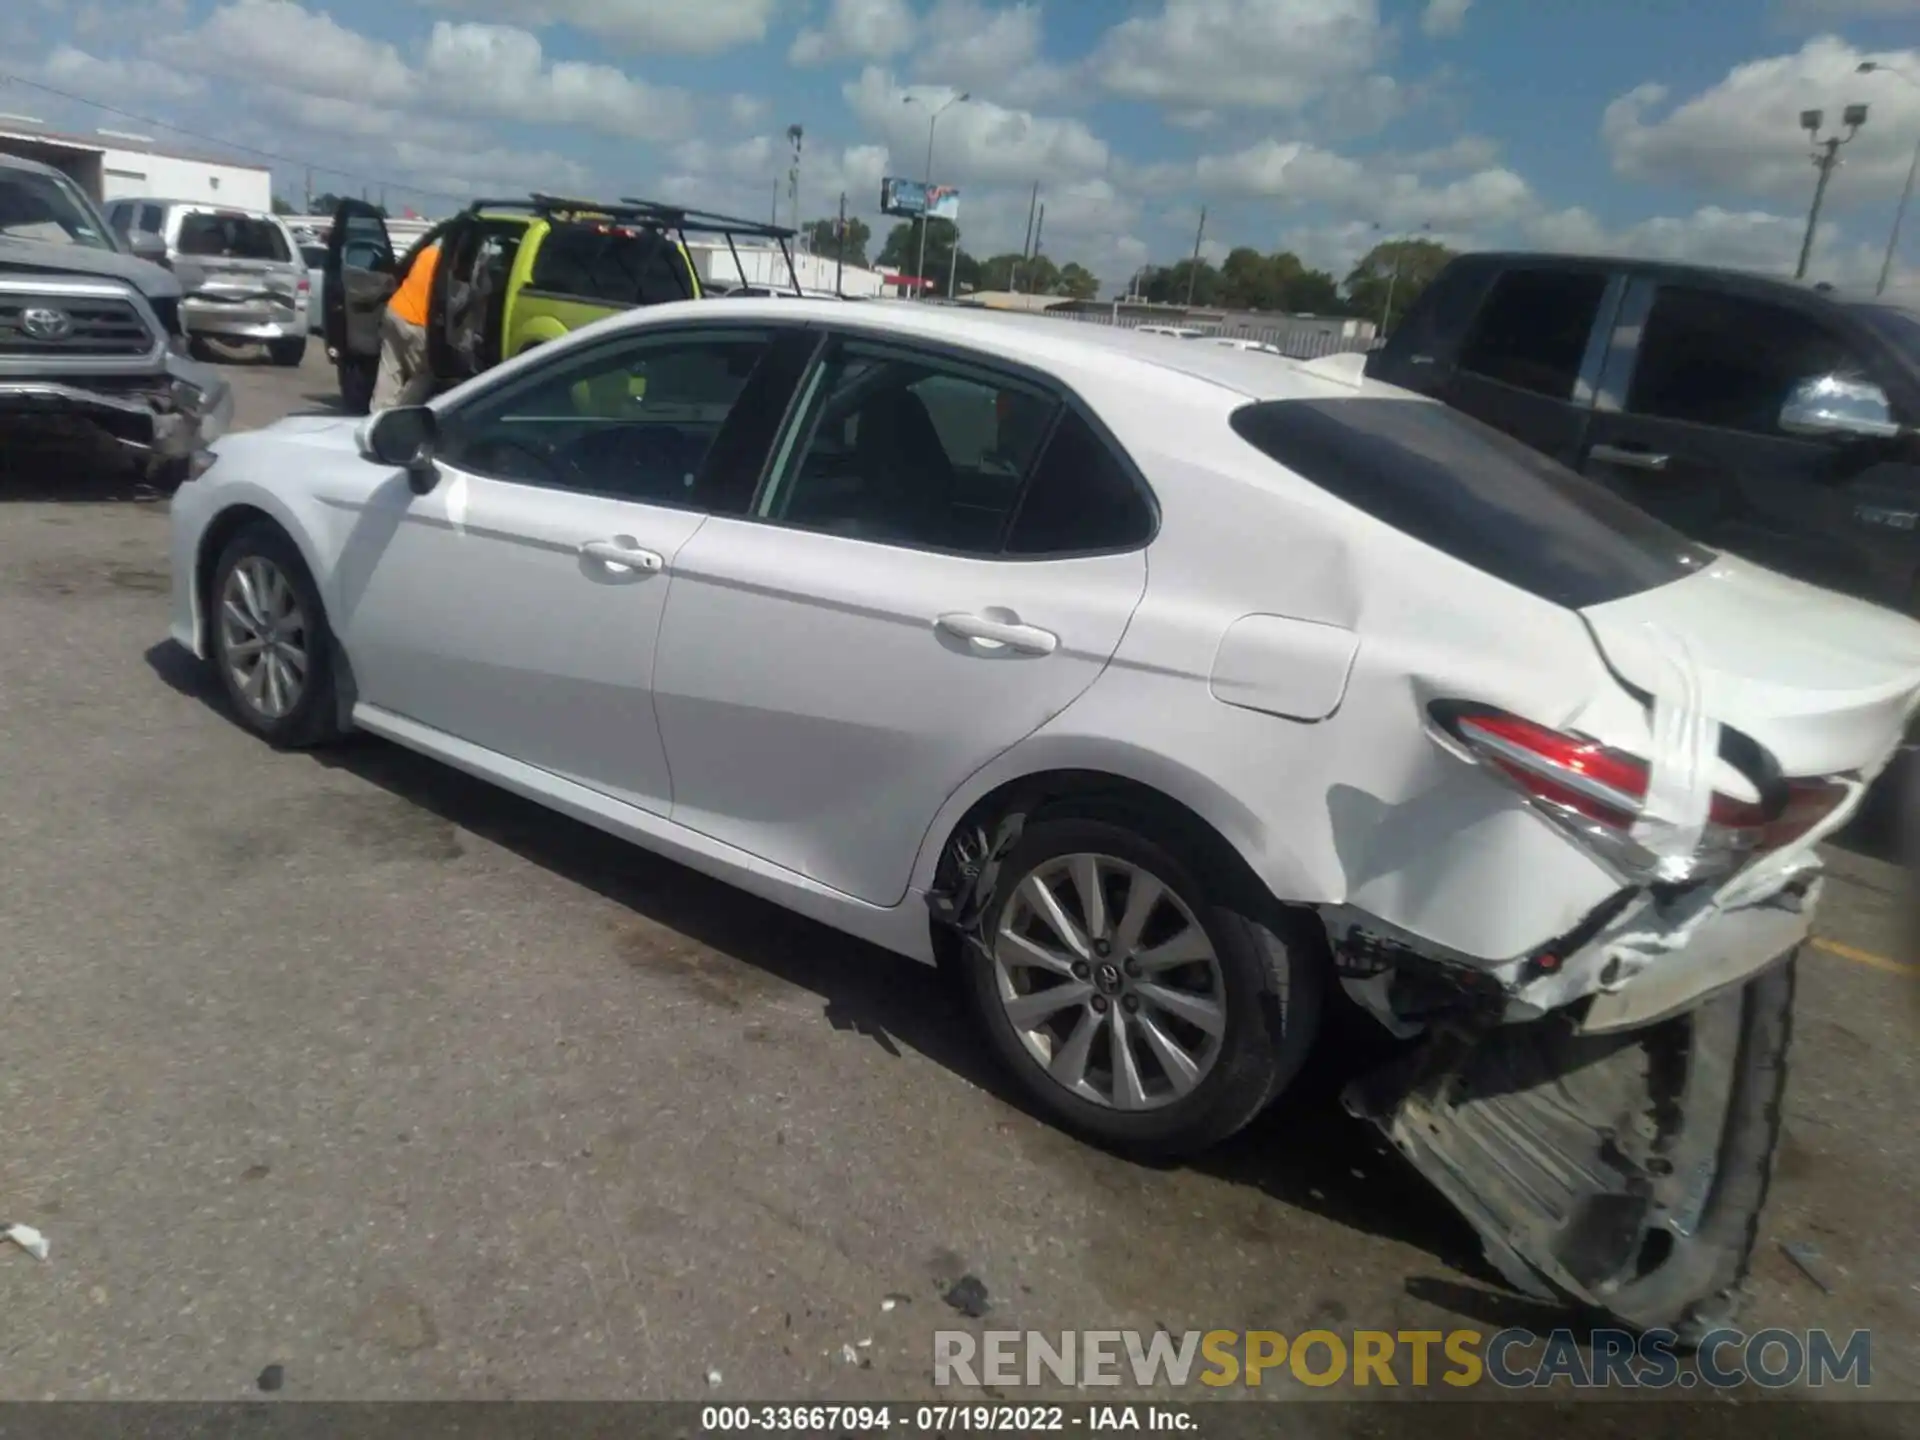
(1130,1005)
(270,640)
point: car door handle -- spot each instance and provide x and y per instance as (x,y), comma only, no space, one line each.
(1029,639)
(1632,459)
(627,557)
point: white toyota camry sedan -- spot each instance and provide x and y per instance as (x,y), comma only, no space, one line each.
(1167,692)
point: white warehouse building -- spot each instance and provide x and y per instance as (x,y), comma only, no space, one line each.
(123,167)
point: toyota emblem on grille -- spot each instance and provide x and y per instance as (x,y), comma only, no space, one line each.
(45,323)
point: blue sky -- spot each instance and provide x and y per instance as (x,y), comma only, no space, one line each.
(1654,126)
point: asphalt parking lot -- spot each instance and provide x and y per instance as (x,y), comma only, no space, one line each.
(349,1064)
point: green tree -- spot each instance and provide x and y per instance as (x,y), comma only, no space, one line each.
(283,206)
(849,247)
(997,272)
(1400,268)
(901,253)
(1077,282)
(1168,284)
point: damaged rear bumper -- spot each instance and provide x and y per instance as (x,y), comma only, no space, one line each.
(1604,1111)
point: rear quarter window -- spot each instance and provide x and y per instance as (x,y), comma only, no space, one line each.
(1471,492)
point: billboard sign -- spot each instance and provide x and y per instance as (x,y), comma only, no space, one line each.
(911,198)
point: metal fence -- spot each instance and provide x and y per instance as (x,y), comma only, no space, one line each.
(1296,342)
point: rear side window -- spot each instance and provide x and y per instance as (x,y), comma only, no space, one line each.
(231,237)
(616,267)
(1472,492)
(1534,329)
(1079,498)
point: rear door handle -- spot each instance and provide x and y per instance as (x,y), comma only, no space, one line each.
(1028,639)
(626,557)
(1632,459)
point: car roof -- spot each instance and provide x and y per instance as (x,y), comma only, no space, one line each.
(1717,276)
(1046,343)
(35,167)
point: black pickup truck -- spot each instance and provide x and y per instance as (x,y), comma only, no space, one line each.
(1769,418)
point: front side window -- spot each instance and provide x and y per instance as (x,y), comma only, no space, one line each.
(1709,358)
(212,235)
(634,420)
(1474,493)
(1533,331)
(50,209)
(909,451)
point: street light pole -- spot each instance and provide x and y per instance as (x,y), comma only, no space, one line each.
(1869,67)
(1826,155)
(926,182)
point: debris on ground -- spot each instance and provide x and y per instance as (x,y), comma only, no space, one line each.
(1806,1259)
(27,1238)
(713,1377)
(894,1298)
(272,1378)
(849,1355)
(969,1296)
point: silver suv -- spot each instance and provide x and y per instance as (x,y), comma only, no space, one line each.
(252,283)
(90,335)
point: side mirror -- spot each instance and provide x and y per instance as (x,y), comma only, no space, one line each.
(1838,405)
(147,246)
(403,436)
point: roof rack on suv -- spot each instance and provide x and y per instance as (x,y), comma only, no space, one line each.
(677,218)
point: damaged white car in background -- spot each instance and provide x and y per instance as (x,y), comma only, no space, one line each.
(1162,689)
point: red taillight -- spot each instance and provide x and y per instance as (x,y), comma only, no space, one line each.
(305,285)
(1600,791)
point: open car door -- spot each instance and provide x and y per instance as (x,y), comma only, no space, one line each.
(360,274)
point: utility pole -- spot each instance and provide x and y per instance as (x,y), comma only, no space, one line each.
(1026,245)
(1039,224)
(953,258)
(926,180)
(1193,270)
(1826,155)
(1867,67)
(840,246)
(309,209)
(794,134)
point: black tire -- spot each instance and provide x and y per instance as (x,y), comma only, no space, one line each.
(1272,992)
(313,719)
(164,477)
(199,349)
(356,386)
(288,353)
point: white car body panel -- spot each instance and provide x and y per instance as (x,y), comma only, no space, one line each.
(824,738)
(816,714)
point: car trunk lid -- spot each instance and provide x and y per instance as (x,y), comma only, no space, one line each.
(1825,683)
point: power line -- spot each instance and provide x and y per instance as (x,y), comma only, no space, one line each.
(8,78)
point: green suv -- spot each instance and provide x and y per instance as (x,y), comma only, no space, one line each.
(513,274)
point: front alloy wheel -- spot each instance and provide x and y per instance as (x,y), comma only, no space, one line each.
(1110,982)
(271,645)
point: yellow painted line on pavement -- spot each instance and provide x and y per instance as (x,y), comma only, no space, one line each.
(1864,957)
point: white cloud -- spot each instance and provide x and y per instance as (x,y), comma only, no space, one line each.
(977,141)
(864,29)
(679,27)
(743,110)
(276,42)
(500,71)
(992,52)
(1444,17)
(1742,136)
(493,71)
(1261,54)
(1299,173)
(1465,152)
(125,79)
(1757,240)
(739,178)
